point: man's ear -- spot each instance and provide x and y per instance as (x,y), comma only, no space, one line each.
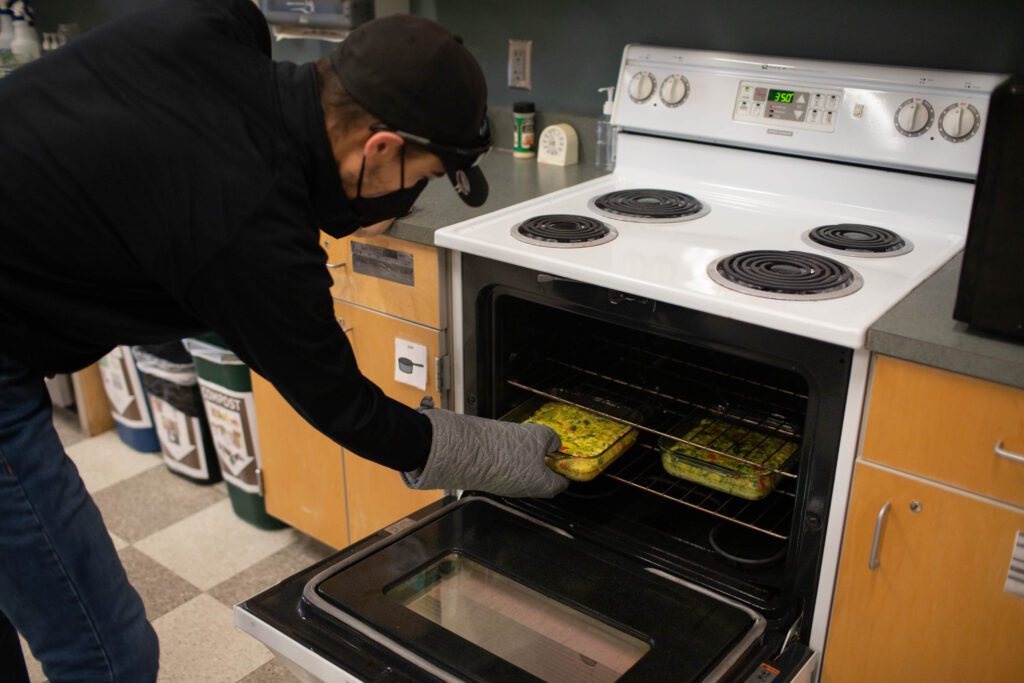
(383,145)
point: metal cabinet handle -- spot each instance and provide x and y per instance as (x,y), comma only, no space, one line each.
(1009,455)
(334,266)
(879,523)
(341,322)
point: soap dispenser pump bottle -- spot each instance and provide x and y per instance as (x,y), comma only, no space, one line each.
(604,155)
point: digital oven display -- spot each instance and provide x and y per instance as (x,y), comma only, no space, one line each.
(783,96)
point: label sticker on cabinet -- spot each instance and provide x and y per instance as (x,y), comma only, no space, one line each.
(410,363)
(1015,575)
(387,264)
(764,674)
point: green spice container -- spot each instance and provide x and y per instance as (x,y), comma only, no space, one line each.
(522,145)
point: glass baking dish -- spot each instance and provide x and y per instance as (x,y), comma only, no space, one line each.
(698,456)
(590,441)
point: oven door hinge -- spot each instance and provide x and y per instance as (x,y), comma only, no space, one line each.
(791,634)
(259,481)
(442,373)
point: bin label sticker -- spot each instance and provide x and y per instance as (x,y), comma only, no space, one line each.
(181,438)
(387,264)
(410,363)
(231,415)
(124,389)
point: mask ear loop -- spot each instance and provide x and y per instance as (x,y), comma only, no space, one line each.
(359,185)
(401,166)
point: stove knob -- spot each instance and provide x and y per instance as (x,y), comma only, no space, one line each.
(914,117)
(641,87)
(959,122)
(674,90)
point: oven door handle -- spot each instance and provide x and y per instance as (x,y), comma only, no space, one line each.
(876,541)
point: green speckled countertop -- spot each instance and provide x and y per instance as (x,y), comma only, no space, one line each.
(921,328)
(511,181)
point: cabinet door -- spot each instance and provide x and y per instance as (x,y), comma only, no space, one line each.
(376,494)
(303,472)
(384,274)
(934,608)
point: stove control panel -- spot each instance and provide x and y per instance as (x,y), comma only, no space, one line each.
(920,120)
(779,104)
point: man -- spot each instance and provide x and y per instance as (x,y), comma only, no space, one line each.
(163,177)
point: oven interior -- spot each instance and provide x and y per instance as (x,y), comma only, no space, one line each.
(639,362)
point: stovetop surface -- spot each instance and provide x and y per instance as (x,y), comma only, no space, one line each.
(756,201)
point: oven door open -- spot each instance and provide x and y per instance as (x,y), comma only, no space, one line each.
(480,591)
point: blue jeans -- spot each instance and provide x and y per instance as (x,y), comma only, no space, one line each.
(62,585)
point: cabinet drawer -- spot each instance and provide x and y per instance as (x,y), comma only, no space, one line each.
(385,274)
(373,336)
(947,427)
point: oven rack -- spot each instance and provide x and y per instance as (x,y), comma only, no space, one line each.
(641,469)
(662,411)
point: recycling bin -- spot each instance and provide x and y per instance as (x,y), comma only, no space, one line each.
(169,377)
(128,405)
(230,411)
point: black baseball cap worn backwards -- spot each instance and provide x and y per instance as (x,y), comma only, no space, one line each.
(424,86)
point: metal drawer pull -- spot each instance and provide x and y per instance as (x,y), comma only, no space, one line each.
(1009,455)
(334,266)
(341,322)
(873,560)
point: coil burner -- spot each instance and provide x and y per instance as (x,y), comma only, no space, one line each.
(648,206)
(851,239)
(792,275)
(564,230)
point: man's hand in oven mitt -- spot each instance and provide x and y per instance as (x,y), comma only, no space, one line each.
(504,458)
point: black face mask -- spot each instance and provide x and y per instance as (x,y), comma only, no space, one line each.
(365,211)
(371,210)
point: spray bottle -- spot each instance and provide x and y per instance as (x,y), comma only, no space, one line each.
(604,155)
(6,34)
(25,45)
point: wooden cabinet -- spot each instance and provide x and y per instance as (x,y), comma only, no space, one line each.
(303,471)
(385,290)
(934,522)
(376,495)
(388,275)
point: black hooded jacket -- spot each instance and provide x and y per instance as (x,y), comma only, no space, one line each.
(162,177)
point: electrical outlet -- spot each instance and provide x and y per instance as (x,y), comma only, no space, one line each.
(519,64)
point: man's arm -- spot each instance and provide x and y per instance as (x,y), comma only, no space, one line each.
(270,301)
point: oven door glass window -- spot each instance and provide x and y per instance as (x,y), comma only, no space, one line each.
(537,634)
(481,592)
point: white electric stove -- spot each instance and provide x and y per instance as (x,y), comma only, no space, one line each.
(803,196)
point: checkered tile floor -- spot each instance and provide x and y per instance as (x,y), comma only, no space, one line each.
(189,557)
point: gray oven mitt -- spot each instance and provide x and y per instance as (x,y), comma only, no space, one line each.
(473,453)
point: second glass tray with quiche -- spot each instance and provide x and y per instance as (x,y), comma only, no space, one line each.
(590,441)
(695,459)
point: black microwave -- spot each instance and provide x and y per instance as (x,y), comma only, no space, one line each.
(991,292)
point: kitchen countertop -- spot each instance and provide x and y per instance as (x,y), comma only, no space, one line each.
(511,181)
(921,328)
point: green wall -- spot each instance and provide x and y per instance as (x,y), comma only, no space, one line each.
(577,44)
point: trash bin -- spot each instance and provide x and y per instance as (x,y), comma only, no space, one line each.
(127,397)
(230,411)
(169,377)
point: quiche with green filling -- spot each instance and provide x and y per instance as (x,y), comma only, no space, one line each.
(753,480)
(590,442)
